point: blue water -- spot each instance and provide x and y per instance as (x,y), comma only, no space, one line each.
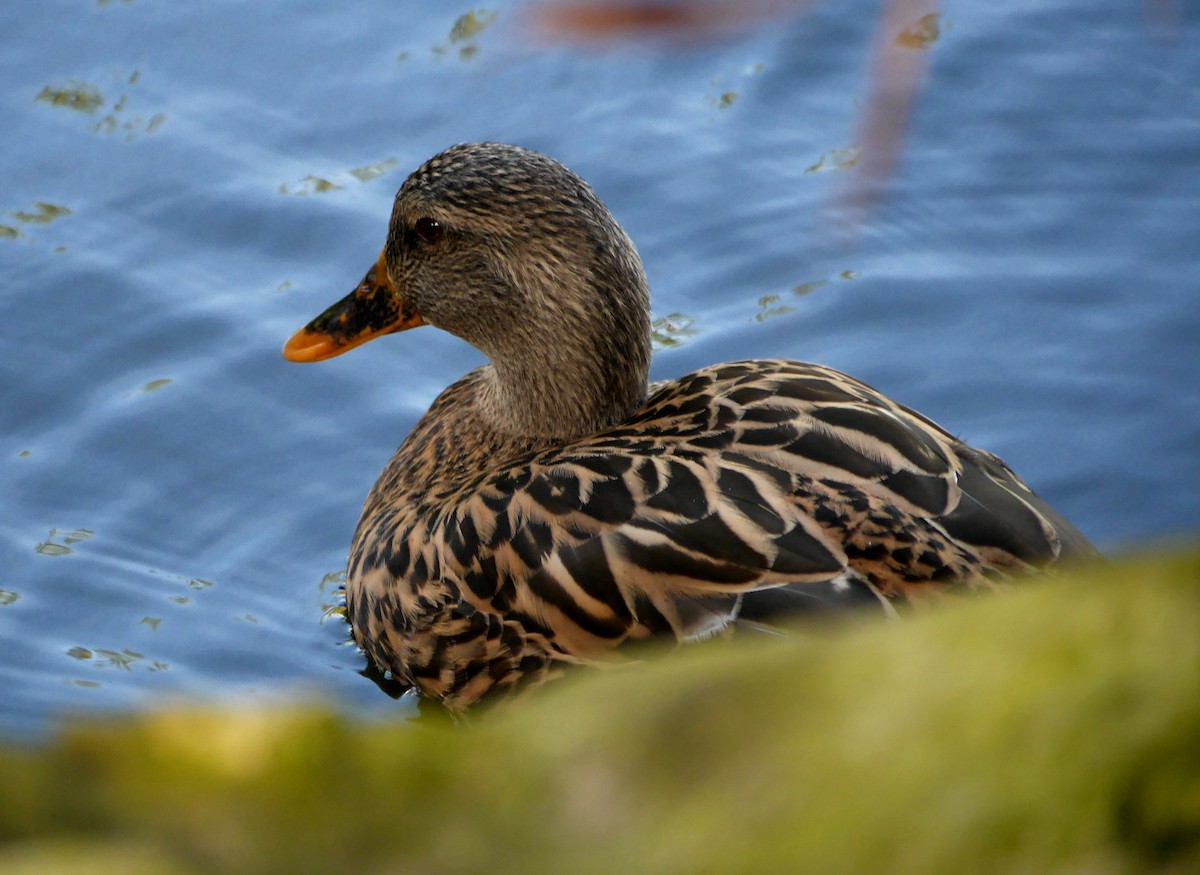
(177,499)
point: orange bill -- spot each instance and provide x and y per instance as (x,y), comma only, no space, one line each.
(373,309)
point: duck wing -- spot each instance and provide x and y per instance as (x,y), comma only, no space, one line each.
(756,489)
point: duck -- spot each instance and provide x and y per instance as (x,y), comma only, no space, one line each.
(554,505)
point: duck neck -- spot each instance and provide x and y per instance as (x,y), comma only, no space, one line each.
(578,371)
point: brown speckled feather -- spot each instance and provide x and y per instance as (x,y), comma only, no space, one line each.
(544,511)
(760,488)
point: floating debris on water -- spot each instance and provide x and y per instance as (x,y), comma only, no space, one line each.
(51,547)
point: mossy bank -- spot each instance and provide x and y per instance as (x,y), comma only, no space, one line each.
(1052,729)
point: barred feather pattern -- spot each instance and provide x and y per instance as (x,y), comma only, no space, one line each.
(740,494)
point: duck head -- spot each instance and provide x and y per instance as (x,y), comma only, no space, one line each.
(511,251)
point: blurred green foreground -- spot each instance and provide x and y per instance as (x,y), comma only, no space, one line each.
(1052,729)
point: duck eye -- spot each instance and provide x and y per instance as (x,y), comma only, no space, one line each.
(429,230)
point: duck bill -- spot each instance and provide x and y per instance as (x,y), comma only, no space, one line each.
(373,309)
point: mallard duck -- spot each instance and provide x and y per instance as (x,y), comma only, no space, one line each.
(553,505)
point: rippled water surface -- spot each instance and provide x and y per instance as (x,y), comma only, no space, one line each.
(184,186)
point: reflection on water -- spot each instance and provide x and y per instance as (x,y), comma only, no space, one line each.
(835,159)
(769,306)
(460,41)
(41,213)
(671,330)
(56,543)
(87,98)
(470,24)
(922,34)
(320,185)
(179,501)
(155,385)
(82,96)
(125,659)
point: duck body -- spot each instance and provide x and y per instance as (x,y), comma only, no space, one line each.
(552,506)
